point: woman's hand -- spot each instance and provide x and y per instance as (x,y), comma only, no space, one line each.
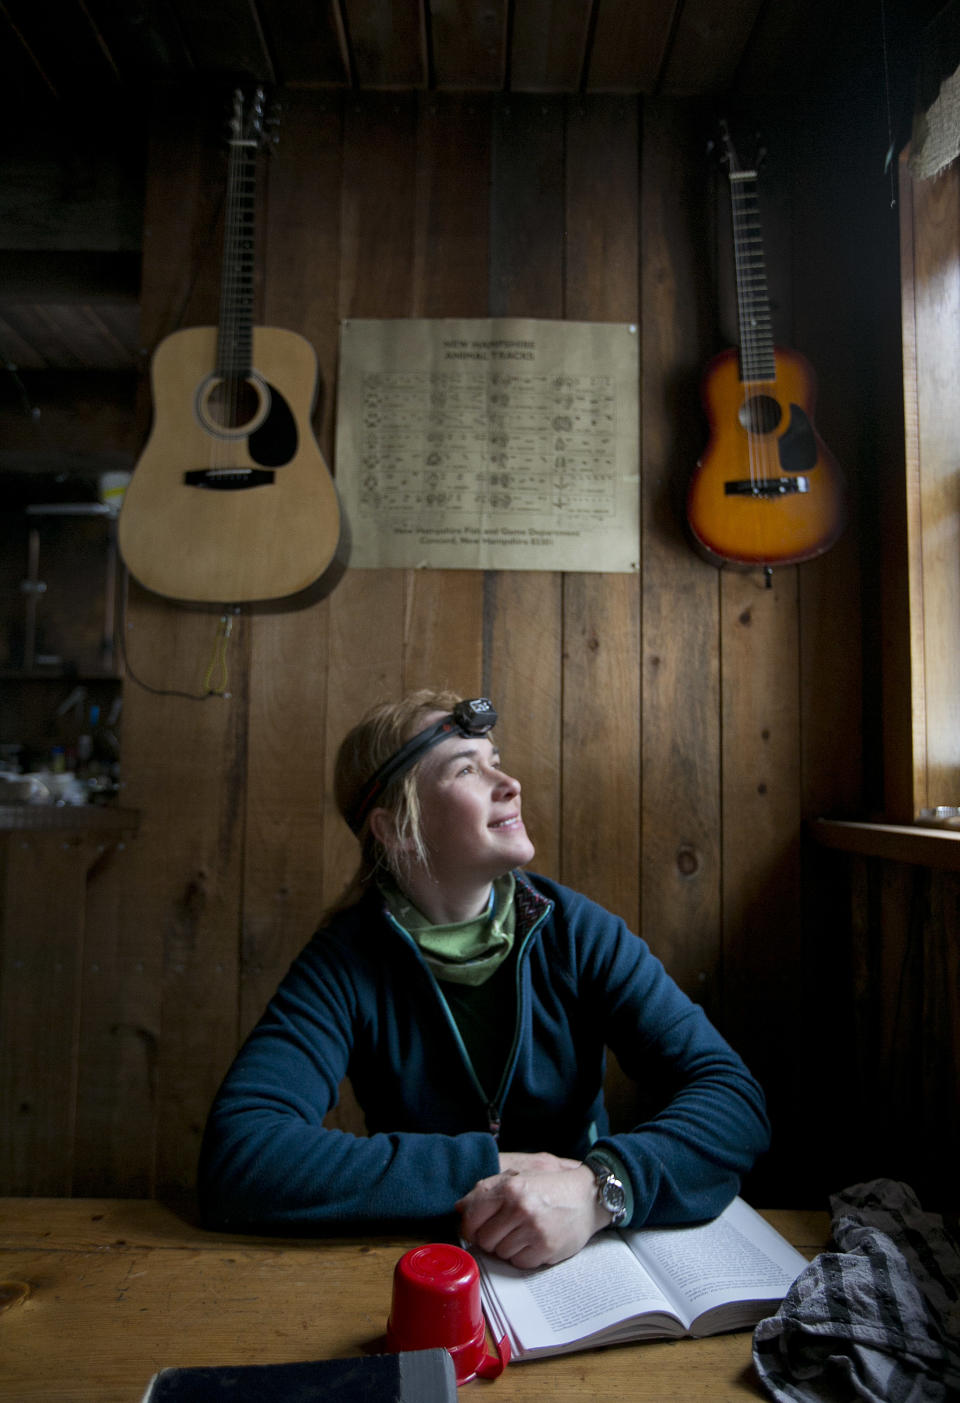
(539,1209)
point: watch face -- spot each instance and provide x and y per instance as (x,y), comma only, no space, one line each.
(614,1198)
(610,1191)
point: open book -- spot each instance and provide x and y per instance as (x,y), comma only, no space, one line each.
(643,1284)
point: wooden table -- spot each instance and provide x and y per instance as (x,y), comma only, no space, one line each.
(97,1294)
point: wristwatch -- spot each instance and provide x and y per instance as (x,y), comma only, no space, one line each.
(609,1189)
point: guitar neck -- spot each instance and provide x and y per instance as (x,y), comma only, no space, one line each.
(235,337)
(757,361)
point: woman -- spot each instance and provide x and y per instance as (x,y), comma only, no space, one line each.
(470,1004)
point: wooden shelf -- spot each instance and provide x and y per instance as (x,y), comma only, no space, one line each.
(925,847)
(56,674)
(48,818)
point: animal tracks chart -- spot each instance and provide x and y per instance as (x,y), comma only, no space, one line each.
(505,444)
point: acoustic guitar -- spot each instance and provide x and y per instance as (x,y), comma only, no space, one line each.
(766,491)
(231,501)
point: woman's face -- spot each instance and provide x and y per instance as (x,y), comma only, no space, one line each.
(470,811)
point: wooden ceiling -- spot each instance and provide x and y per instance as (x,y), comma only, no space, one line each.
(75,76)
(68,49)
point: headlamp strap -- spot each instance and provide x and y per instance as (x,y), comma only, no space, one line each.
(468,718)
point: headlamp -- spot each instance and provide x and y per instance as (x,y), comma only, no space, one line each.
(468,718)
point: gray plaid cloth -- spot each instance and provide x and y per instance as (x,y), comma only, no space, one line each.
(878,1320)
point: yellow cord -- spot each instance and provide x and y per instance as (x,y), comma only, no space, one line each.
(218,662)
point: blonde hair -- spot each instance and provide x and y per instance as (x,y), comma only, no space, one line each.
(368,745)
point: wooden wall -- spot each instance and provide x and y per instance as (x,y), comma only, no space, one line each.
(886,1046)
(930,222)
(672,730)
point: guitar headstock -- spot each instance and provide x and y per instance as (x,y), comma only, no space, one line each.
(728,152)
(250,123)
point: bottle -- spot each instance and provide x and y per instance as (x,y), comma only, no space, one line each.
(102,766)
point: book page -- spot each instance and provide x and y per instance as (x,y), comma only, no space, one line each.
(736,1257)
(565,1306)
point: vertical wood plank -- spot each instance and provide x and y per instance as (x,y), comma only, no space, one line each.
(379,186)
(936,515)
(547,45)
(43,889)
(184,759)
(817,179)
(452,219)
(443,610)
(940,1024)
(289,654)
(366,666)
(705,45)
(185,762)
(601,743)
(118,1039)
(760,768)
(813,185)
(185,177)
(680,743)
(468,44)
(898,1038)
(904,706)
(629,45)
(524,610)
(600,852)
(443,630)
(283,893)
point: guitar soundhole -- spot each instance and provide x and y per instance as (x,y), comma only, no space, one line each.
(233,404)
(760,414)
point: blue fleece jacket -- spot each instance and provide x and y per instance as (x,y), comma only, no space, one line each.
(360,1002)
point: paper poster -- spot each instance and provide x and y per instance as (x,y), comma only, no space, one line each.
(507,444)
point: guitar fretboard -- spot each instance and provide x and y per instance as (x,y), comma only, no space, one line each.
(235,338)
(757,360)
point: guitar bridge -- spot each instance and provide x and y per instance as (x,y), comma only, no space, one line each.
(228,479)
(766,486)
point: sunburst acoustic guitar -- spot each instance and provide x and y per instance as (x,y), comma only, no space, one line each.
(767,491)
(231,501)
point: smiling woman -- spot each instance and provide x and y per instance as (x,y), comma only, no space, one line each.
(471,828)
(471,1004)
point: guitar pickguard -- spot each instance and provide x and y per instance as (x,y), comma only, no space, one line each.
(798,446)
(275,441)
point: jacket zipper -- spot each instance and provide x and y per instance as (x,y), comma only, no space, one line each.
(493,1109)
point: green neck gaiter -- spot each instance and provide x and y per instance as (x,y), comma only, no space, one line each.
(467,952)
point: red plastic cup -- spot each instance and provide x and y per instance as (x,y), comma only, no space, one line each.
(436,1305)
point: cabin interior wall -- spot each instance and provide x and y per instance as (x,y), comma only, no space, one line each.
(673,728)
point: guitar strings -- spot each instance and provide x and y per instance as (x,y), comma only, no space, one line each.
(745,339)
(229,388)
(234,347)
(751,294)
